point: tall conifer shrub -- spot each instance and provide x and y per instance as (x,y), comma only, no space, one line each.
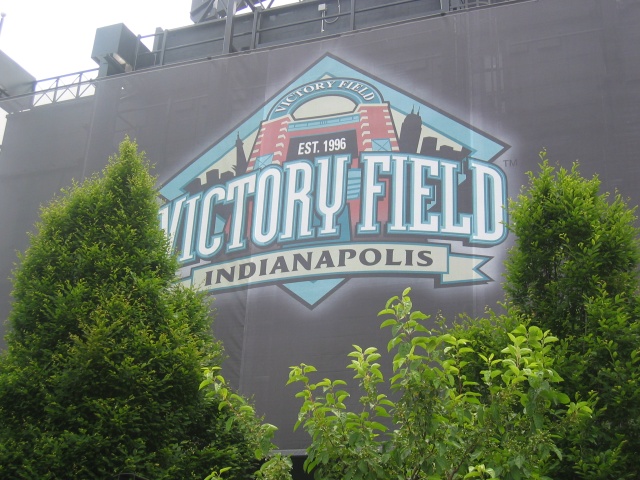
(105,350)
(573,270)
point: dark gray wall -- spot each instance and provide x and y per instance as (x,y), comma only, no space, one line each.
(560,75)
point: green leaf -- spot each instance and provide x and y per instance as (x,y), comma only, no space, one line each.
(415,316)
(228,424)
(377,426)
(388,323)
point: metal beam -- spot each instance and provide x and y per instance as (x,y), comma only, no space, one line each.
(228,27)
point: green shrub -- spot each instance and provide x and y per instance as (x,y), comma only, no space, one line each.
(498,421)
(573,270)
(105,350)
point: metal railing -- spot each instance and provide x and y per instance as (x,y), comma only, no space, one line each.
(65,87)
(51,90)
(281,25)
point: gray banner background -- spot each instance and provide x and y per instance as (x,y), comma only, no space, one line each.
(560,75)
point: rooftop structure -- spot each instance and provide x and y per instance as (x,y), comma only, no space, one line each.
(221,27)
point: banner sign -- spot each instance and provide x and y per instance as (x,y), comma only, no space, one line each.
(338,175)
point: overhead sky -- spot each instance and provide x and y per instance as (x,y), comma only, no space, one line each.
(55,37)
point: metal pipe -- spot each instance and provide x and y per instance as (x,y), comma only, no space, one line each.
(2,15)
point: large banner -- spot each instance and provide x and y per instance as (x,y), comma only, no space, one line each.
(339,175)
(338,191)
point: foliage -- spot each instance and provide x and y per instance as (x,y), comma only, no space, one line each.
(571,243)
(446,426)
(105,350)
(242,416)
(573,270)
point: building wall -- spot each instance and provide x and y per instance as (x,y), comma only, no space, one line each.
(482,91)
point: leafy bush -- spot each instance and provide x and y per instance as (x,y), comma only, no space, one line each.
(573,270)
(105,350)
(445,424)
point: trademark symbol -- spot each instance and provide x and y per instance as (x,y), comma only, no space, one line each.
(510,162)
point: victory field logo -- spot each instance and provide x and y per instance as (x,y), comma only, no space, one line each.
(337,176)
